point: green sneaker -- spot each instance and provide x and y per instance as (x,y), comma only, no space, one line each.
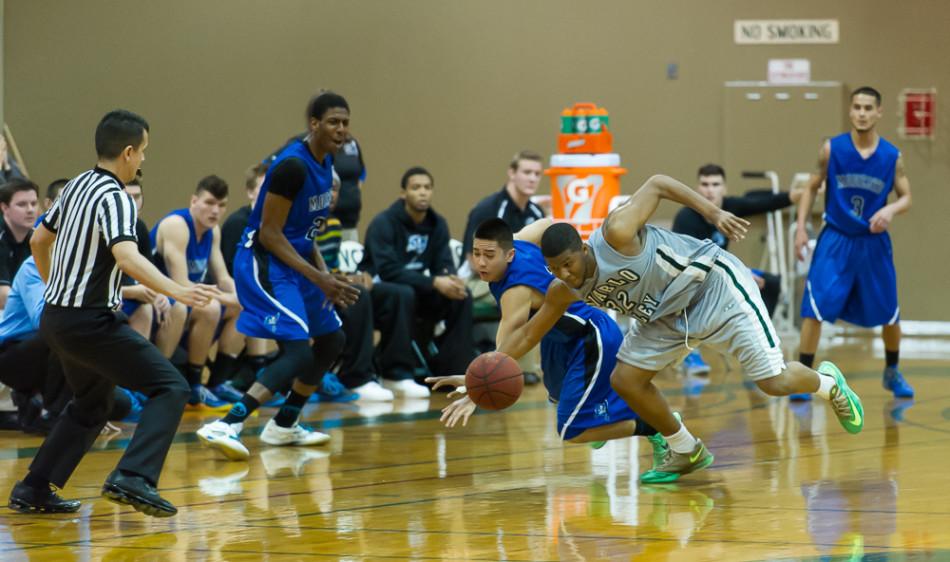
(676,464)
(844,401)
(597,444)
(659,444)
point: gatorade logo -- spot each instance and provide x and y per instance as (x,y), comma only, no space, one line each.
(578,194)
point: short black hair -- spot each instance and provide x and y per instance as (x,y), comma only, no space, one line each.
(868,91)
(559,238)
(415,171)
(14,186)
(496,230)
(54,187)
(117,130)
(217,187)
(320,103)
(711,170)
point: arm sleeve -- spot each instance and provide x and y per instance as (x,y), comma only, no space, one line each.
(53,215)
(385,261)
(756,204)
(691,223)
(288,178)
(116,218)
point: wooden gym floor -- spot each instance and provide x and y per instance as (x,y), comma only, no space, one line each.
(788,484)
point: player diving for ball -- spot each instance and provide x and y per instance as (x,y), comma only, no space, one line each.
(577,353)
(682,293)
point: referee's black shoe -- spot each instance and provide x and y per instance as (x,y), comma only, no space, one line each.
(135,491)
(27,499)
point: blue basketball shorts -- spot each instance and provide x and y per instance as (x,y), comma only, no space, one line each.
(279,303)
(852,278)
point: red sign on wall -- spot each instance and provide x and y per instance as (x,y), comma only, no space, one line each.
(918,113)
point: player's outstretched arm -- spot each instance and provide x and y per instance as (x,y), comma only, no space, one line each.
(808,199)
(534,231)
(622,227)
(883,217)
(521,340)
(138,267)
(515,312)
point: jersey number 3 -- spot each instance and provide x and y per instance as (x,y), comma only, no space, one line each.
(857,205)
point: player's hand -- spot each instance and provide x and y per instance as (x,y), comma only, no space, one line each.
(460,410)
(458,381)
(732,226)
(198,295)
(337,289)
(801,242)
(881,220)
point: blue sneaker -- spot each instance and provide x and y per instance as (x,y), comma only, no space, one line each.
(894,381)
(800,397)
(694,365)
(227,392)
(332,390)
(204,399)
(136,411)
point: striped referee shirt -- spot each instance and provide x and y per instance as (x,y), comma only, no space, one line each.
(92,214)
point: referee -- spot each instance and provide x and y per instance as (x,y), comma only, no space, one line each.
(94,222)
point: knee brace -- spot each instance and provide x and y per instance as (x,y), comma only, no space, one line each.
(295,358)
(326,350)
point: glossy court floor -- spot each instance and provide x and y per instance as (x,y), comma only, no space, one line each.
(788,484)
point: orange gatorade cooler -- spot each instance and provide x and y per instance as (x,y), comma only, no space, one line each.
(585,129)
(582,186)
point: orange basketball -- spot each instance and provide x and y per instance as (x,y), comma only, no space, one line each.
(494,381)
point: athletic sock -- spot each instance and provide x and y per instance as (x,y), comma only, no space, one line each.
(825,384)
(891,358)
(806,359)
(240,411)
(682,441)
(223,369)
(193,374)
(644,429)
(290,411)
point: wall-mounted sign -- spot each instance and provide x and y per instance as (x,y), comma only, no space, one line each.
(918,113)
(778,32)
(789,71)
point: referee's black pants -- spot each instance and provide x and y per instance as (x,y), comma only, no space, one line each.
(99,350)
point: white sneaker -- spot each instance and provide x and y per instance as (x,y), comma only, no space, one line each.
(217,486)
(297,434)
(224,437)
(407,388)
(373,392)
(277,461)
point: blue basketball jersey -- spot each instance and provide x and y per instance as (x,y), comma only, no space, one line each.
(310,207)
(857,187)
(198,252)
(529,268)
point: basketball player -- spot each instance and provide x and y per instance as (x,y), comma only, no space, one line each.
(577,354)
(683,293)
(852,271)
(284,286)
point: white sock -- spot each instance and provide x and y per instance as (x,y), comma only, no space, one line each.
(682,441)
(825,384)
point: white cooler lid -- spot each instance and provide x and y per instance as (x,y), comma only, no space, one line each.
(584,160)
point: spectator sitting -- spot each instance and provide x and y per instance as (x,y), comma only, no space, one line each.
(52,192)
(188,246)
(18,200)
(29,367)
(408,244)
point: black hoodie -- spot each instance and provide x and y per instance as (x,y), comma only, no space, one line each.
(400,251)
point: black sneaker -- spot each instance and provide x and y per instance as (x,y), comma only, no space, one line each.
(27,499)
(135,491)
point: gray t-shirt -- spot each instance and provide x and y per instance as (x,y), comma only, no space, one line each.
(664,278)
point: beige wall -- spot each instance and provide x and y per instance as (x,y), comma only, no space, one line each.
(455,86)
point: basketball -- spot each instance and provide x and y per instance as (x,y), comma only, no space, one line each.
(494,381)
